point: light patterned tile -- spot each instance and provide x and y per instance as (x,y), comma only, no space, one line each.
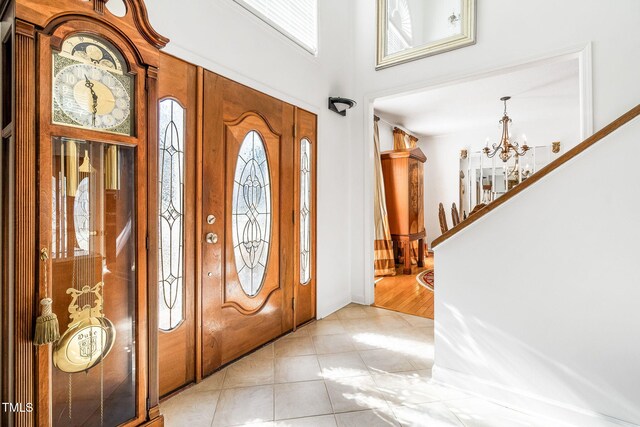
(372,340)
(338,343)
(418,321)
(378,311)
(265,352)
(421,362)
(193,408)
(369,418)
(326,327)
(431,414)
(407,388)
(383,360)
(212,382)
(358,325)
(300,332)
(298,346)
(249,371)
(355,394)
(390,323)
(318,421)
(332,316)
(297,368)
(233,406)
(342,365)
(301,399)
(351,313)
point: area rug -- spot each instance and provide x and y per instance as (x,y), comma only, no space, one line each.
(425,278)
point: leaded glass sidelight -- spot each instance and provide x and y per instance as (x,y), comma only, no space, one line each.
(171,210)
(305,211)
(251,213)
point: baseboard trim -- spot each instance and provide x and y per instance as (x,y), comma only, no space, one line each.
(523,401)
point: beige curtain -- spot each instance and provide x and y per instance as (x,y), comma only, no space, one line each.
(402,140)
(384,264)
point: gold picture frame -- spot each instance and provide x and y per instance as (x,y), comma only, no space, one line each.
(465,37)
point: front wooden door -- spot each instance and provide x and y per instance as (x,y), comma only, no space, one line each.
(248,216)
(173,268)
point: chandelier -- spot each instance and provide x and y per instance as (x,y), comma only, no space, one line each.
(506,149)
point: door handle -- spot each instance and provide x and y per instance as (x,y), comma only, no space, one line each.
(211,238)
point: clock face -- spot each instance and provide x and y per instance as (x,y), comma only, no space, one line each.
(92,97)
(90,88)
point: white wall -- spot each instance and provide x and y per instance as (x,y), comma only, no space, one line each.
(225,38)
(441,179)
(508,33)
(385,131)
(559,322)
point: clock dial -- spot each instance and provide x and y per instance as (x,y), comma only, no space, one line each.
(90,88)
(91,96)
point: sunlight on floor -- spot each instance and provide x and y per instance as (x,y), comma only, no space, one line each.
(361,366)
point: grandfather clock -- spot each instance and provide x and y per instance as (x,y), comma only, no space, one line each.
(84,120)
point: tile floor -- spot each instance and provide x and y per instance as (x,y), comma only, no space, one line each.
(361,366)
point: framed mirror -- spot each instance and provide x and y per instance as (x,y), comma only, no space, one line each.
(414,29)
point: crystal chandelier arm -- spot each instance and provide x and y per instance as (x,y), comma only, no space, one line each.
(491,152)
(520,151)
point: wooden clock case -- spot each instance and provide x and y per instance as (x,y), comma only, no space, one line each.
(37,28)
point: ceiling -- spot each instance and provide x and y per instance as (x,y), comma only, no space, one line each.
(543,92)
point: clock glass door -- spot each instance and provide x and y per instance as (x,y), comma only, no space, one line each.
(93,277)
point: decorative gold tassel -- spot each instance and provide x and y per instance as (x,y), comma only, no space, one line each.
(47,329)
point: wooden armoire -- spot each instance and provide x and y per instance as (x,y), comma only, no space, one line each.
(403,171)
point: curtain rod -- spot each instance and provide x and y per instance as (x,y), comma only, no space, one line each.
(385,121)
(376,117)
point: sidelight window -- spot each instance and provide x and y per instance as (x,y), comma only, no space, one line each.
(251,213)
(305,211)
(171,208)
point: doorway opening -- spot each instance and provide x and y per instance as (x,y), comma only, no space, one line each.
(450,124)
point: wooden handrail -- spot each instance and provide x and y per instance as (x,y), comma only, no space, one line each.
(610,128)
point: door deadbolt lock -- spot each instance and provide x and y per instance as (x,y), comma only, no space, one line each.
(211,238)
(211,219)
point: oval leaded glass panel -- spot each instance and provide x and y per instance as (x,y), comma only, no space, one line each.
(251,213)
(305,211)
(171,190)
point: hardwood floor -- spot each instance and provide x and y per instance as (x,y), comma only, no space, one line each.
(403,293)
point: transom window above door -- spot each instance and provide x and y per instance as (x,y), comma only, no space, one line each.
(296,19)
